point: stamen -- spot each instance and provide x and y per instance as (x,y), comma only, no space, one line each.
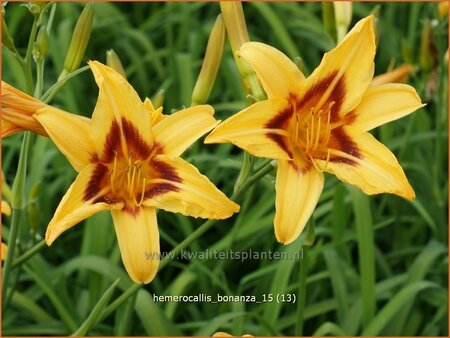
(311,159)
(307,138)
(326,162)
(128,171)
(131,185)
(316,143)
(142,194)
(311,134)
(113,174)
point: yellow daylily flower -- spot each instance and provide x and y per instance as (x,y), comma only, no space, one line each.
(128,159)
(320,123)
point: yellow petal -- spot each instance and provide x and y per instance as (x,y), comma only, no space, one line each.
(190,193)
(385,103)
(118,105)
(277,73)
(298,191)
(71,133)
(138,237)
(79,203)
(369,165)
(179,130)
(344,73)
(156,115)
(256,129)
(4,250)
(6,209)
(9,128)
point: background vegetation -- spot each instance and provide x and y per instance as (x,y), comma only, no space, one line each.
(377,266)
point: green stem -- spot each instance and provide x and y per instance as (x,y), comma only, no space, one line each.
(28,254)
(39,79)
(31,40)
(17,206)
(122,298)
(301,294)
(53,90)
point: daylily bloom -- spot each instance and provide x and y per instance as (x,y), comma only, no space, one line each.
(320,123)
(128,159)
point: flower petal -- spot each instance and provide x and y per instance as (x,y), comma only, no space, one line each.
(6,209)
(79,203)
(70,133)
(298,191)
(9,128)
(4,251)
(370,165)
(385,103)
(257,129)
(156,115)
(120,117)
(138,237)
(344,73)
(277,73)
(188,192)
(179,130)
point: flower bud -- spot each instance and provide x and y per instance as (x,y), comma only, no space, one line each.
(399,74)
(342,17)
(233,17)
(41,45)
(80,39)
(328,18)
(158,98)
(35,7)
(113,61)
(211,63)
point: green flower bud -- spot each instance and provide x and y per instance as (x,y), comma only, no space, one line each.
(41,45)
(113,61)
(35,7)
(343,18)
(211,63)
(233,17)
(80,39)
(158,98)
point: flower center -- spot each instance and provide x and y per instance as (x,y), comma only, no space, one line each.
(128,179)
(310,134)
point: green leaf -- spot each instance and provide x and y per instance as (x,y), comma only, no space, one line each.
(97,311)
(397,302)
